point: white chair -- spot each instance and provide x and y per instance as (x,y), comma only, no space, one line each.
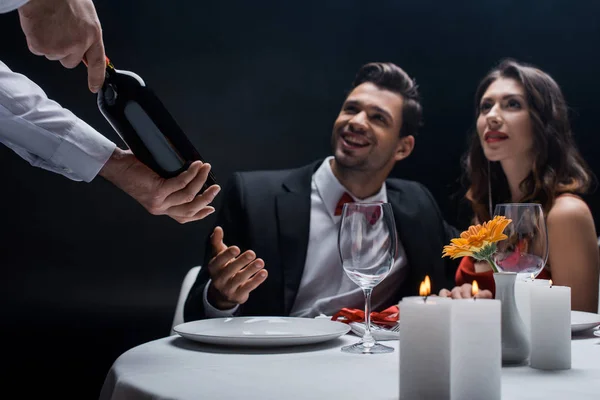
(186,285)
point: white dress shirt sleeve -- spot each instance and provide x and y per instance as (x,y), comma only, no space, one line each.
(45,134)
(211,311)
(10,5)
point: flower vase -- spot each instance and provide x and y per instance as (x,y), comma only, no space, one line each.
(516,344)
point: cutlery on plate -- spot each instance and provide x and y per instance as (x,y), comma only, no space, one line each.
(395,328)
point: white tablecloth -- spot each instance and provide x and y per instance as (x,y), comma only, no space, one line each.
(175,368)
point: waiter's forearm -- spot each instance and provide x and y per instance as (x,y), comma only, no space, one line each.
(45,134)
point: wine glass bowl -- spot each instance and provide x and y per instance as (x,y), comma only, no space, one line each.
(367,243)
(525,251)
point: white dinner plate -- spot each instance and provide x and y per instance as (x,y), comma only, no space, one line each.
(581,321)
(262,331)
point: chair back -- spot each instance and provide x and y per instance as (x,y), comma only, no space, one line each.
(186,285)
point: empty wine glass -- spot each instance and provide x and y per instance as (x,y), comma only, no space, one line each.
(526,249)
(367,242)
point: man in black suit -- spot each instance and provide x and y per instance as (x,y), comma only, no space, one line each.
(289,217)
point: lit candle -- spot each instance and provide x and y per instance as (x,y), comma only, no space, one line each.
(425,293)
(550,327)
(522,298)
(425,346)
(476,348)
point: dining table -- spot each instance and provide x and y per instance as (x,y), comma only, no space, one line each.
(177,368)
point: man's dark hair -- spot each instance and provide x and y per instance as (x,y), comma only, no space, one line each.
(391,77)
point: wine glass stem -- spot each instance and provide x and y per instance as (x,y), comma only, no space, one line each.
(368,339)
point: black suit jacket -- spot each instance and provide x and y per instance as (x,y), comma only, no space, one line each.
(269,212)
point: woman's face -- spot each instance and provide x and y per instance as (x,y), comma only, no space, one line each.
(504,125)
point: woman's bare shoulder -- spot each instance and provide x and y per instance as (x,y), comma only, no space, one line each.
(569,209)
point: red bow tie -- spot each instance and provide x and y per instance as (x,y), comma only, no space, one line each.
(373,215)
(346,198)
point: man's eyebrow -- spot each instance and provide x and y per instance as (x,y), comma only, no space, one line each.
(384,112)
(376,108)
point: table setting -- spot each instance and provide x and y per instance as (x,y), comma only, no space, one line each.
(526,343)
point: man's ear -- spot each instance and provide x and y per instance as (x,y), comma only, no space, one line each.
(405,147)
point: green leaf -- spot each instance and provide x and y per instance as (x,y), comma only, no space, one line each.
(486,252)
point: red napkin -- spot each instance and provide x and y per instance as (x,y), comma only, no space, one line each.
(387,317)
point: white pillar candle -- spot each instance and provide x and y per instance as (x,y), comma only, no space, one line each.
(550,327)
(522,298)
(425,348)
(420,299)
(476,349)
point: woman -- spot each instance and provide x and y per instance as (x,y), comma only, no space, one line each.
(523,150)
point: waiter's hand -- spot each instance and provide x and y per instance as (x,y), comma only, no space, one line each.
(176,197)
(233,276)
(68,31)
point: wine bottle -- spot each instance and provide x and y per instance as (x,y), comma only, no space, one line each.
(145,125)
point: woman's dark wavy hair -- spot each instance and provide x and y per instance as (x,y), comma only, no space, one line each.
(558,166)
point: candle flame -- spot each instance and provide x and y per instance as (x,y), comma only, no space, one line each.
(423,289)
(532,277)
(474,289)
(427,282)
(550,282)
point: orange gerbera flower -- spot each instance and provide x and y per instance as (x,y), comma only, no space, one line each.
(496,228)
(477,239)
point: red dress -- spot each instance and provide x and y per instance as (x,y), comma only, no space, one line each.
(466,274)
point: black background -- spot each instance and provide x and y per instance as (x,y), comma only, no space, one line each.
(87,273)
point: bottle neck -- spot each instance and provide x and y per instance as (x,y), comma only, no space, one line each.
(110,69)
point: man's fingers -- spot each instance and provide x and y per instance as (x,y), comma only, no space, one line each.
(226,279)
(34,50)
(218,262)
(194,187)
(181,199)
(216,240)
(175,184)
(216,266)
(185,190)
(199,202)
(237,278)
(465,291)
(445,293)
(70,61)
(484,294)
(247,272)
(52,57)
(203,213)
(235,266)
(252,283)
(456,293)
(96,64)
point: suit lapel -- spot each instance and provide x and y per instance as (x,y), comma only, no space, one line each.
(293,221)
(408,228)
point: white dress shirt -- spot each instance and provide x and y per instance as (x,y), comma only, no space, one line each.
(324,287)
(45,134)
(10,5)
(42,132)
